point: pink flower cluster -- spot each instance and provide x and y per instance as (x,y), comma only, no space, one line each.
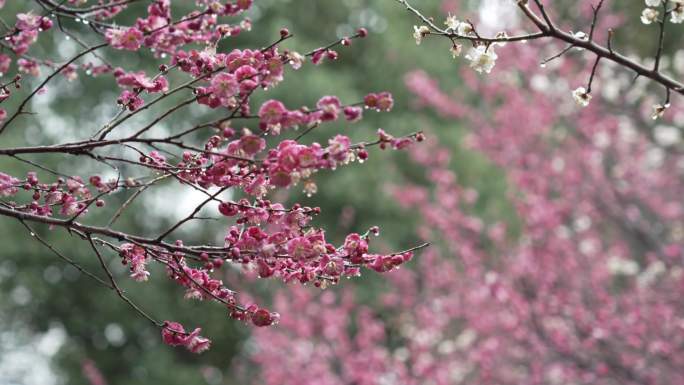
(158,32)
(237,164)
(382,101)
(401,143)
(245,70)
(130,100)
(26,30)
(70,195)
(135,257)
(9,185)
(323,53)
(293,250)
(137,82)
(24,34)
(197,281)
(174,334)
(126,38)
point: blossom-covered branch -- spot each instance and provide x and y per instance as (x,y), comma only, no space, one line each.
(251,150)
(482,55)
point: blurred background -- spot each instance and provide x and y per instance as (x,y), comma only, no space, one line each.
(56,327)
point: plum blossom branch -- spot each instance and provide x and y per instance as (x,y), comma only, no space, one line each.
(277,241)
(548,30)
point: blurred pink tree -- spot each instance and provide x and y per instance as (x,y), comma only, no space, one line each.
(589,292)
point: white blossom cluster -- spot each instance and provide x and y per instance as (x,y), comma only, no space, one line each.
(482,57)
(582,96)
(650,14)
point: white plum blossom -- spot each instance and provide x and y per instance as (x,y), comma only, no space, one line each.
(653,3)
(651,273)
(482,59)
(296,60)
(420,32)
(457,26)
(456,50)
(581,96)
(464,29)
(452,22)
(659,110)
(649,15)
(621,266)
(677,13)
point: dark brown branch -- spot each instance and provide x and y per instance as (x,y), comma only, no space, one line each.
(593,73)
(596,9)
(64,257)
(661,37)
(116,287)
(191,216)
(52,75)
